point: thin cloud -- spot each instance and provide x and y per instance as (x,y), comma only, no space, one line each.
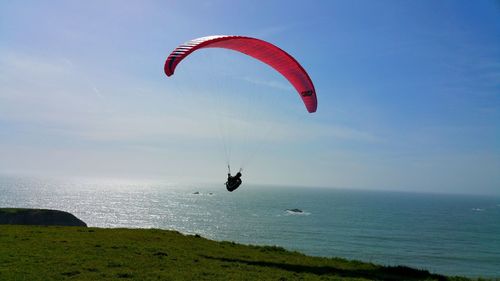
(50,92)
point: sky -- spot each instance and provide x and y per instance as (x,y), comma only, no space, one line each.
(408,93)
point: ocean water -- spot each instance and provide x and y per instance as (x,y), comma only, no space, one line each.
(447,234)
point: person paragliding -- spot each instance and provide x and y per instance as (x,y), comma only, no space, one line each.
(264,52)
(233,182)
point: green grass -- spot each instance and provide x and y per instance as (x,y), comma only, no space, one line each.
(79,253)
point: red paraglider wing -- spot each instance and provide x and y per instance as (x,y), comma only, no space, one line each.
(266,52)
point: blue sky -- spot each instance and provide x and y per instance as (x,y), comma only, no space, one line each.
(408,93)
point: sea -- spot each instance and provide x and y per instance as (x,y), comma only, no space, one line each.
(442,233)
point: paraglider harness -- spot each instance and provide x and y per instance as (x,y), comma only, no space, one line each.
(233,182)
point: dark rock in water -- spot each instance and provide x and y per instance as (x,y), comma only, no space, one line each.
(38,217)
(295,210)
(196,192)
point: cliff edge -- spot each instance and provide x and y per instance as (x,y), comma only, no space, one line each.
(38,217)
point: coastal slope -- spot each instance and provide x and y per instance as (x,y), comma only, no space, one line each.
(80,253)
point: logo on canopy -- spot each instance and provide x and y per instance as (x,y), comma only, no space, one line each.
(306,93)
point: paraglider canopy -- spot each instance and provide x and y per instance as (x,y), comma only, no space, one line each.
(261,50)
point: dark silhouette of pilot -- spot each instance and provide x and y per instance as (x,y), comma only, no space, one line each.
(233,182)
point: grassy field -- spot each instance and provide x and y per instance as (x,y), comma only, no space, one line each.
(79,253)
